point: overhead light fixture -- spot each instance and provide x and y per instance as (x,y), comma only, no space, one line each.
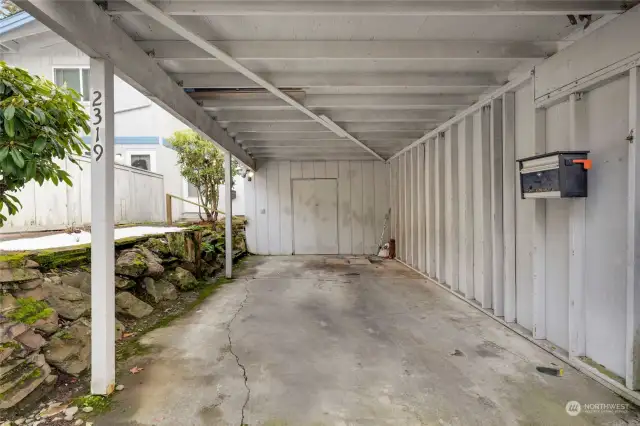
(334,127)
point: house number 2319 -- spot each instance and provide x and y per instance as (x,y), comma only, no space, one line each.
(96,105)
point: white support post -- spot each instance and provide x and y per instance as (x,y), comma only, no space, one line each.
(465,170)
(632,376)
(577,237)
(440,202)
(539,236)
(228,217)
(103,314)
(451,184)
(509,182)
(497,233)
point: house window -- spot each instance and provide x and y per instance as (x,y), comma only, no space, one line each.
(192,191)
(75,78)
(141,161)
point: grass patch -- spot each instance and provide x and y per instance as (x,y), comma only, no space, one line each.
(99,403)
(131,348)
(29,311)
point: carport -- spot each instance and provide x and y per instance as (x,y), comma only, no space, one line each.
(346,109)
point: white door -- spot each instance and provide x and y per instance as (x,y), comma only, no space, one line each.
(315,216)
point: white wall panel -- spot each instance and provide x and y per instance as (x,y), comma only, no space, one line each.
(251,229)
(357,222)
(440,212)
(557,237)
(368,208)
(320,169)
(331,170)
(524,211)
(451,207)
(286,208)
(363,201)
(273,207)
(606,229)
(482,265)
(431,205)
(465,172)
(308,169)
(262,219)
(422,221)
(344,208)
(381,194)
(414,208)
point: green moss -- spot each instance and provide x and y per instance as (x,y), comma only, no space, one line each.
(57,258)
(14,260)
(99,403)
(29,311)
(64,334)
(10,344)
(601,368)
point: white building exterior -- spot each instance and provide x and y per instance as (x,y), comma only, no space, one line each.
(141,129)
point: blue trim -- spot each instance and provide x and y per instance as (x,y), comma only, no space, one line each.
(130,140)
(15,21)
(165,142)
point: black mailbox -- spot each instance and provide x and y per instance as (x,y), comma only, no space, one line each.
(560,174)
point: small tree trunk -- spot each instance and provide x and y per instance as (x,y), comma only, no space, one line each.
(216,197)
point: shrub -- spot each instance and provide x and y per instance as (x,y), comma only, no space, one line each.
(39,125)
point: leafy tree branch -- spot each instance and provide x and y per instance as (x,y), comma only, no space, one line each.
(40,125)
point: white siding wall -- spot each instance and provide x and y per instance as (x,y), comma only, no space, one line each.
(363,202)
(477,272)
(139,197)
(135,115)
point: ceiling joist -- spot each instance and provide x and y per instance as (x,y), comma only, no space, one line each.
(353,50)
(379,8)
(155,13)
(340,80)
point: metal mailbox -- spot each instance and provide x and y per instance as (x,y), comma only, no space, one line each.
(560,174)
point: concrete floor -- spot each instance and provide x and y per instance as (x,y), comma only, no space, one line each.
(297,341)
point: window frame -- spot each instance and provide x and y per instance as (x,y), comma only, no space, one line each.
(152,159)
(80,68)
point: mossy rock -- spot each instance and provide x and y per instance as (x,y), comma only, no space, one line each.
(63,257)
(131,264)
(158,246)
(29,311)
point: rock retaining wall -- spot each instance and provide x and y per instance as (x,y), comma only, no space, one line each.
(45,299)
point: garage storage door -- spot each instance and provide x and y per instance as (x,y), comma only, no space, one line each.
(315,216)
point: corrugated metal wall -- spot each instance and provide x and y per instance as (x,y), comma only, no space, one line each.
(363,202)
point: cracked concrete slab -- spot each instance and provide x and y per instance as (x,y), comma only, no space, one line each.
(295,341)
